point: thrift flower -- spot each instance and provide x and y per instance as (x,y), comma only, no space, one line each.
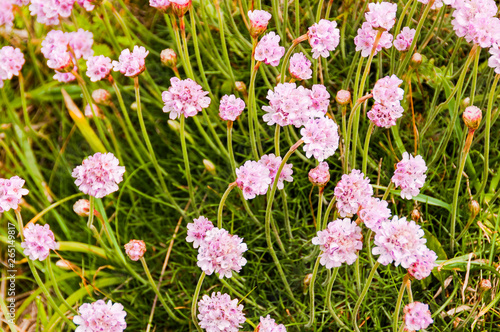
(231,107)
(321,138)
(88,111)
(494,60)
(422,268)
(81,43)
(98,67)
(162,5)
(268,324)
(135,249)
(6,14)
(87,4)
(101,97)
(11,193)
(351,192)
(320,175)
(365,40)
(373,212)
(38,241)
(324,37)
(385,116)
(343,97)
(184,98)
(82,207)
(197,230)
(100,316)
(253,178)
(268,49)
(258,21)
(300,67)
(48,11)
(417,316)
(131,64)
(168,57)
(64,77)
(218,313)
(180,7)
(320,99)
(55,41)
(11,63)
(273,163)
(410,175)
(472,117)
(404,39)
(387,91)
(381,15)
(476,21)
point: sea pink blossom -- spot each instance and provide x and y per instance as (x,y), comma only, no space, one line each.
(387,91)
(300,67)
(351,192)
(494,60)
(410,175)
(472,117)
(417,316)
(64,77)
(80,43)
(320,175)
(101,97)
(60,61)
(321,138)
(131,64)
(438,3)
(135,249)
(273,163)
(385,116)
(476,21)
(184,98)
(365,40)
(20,2)
(422,268)
(197,230)
(218,313)
(11,63)
(343,97)
(38,241)
(253,178)
(324,37)
(231,107)
(162,5)
(258,21)
(87,4)
(268,49)
(55,41)
(100,316)
(6,15)
(88,111)
(268,324)
(180,7)
(48,11)
(82,207)
(404,39)
(373,212)
(381,15)
(98,67)
(11,193)
(320,99)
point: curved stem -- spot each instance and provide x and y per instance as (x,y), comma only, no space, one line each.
(91,212)
(286,215)
(284,63)
(56,288)
(388,190)
(220,18)
(320,209)
(329,297)
(221,204)
(277,140)
(232,161)
(311,291)
(185,156)
(398,304)
(367,143)
(327,213)
(362,296)
(252,112)
(195,302)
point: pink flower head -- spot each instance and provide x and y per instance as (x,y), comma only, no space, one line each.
(11,62)
(381,15)
(472,117)
(219,313)
(494,60)
(180,7)
(410,175)
(373,212)
(387,91)
(131,64)
(300,67)
(64,77)
(351,192)
(11,193)
(38,241)
(269,50)
(320,99)
(99,175)
(399,241)
(87,4)
(80,43)
(231,107)
(82,207)
(385,116)
(48,11)
(100,316)
(60,61)
(184,98)
(258,21)
(365,40)
(20,2)
(404,39)
(55,41)
(101,97)
(417,316)
(98,67)
(422,268)
(268,324)
(88,111)
(321,138)
(162,5)
(197,230)
(221,252)
(6,15)
(273,163)
(253,178)
(476,21)
(320,175)
(343,97)
(135,249)
(324,37)
(339,243)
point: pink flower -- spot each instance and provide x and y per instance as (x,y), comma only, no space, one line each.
(324,37)
(101,97)
(484,30)
(168,58)
(98,67)
(253,178)
(422,268)
(258,21)
(438,3)
(320,175)
(180,7)
(339,243)
(20,2)
(365,40)
(64,77)
(404,39)
(11,193)
(82,207)
(197,230)
(135,249)
(184,98)
(162,5)
(48,11)
(385,116)
(231,107)
(131,64)
(60,60)
(6,15)
(300,67)
(343,97)
(219,313)
(399,241)
(38,241)
(373,212)
(268,324)
(81,43)
(472,117)
(99,175)
(410,175)
(88,111)
(320,99)
(387,91)
(100,316)
(321,138)
(222,253)
(475,20)
(55,41)
(417,316)
(269,50)
(351,192)
(11,62)
(273,163)
(494,60)
(381,15)
(87,4)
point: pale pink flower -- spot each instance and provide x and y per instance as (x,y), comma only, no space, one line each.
(324,37)
(343,97)
(273,163)
(269,50)
(168,57)
(472,117)
(484,30)
(11,193)
(20,2)
(494,60)
(320,175)
(55,41)
(381,15)
(197,230)
(64,77)
(101,97)
(365,40)
(321,138)
(100,316)
(258,21)
(82,207)
(385,116)
(268,324)
(38,241)
(162,5)
(417,316)
(11,62)
(410,175)
(88,111)
(404,39)
(438,3)
(87,4)
(474,20)
(131,64)
(60,60)
(98,67)
(373,212)
(422,268)
(231,107)
(320,99)
(6,14)
(180,7)
(135,249)
(253,178)
(351,192)
(80,43)
(387,91)
(300,67)
(184,98)
(48,11)
(218,313)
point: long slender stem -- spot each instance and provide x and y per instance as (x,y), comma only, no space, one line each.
(230,146)
(401,292)
(344,136)
(220,18)
(56,287)
(277,140)
(284,63)
(194,304)
(23,102)
(221,204)
(91,211)
(252,116)
(474,75)
(367,143)
(311,291)
(320,209)
(361,297)
(329,297)
(185,156)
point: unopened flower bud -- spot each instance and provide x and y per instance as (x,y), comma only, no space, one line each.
(416,60)
(82,207)
(472,117)
(343,97)
(466,102)
(174,125)
(240,86)
(101,97)
(88,111)
(65,265)
(133,106)
(415,215)
(168,58)
(135,249)
(320,175)
(209,166)
(474,208)
(180,7)
(258,22)
(307,281)
(484,285)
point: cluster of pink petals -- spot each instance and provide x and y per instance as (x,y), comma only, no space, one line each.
(259,19)
(89,112)
(184,98)
(494,60)
(160,4)
(351,192)
(404,39)
(231,107)
(422,268)
(410,175)
(20,2)
(321,138)
(381,15)
(438,3)
(87,4)
(48,11)
(387,91)
(6,15)
(339,243)
(100,316)
(268,324)
(320,99)
(273,163)
(417,316)
(218,313)
(221,252)
(320,175)
(11,63)
(197,230)
(132,63)
(11,193)
(365,40)
(101,97)
(253,178)
(399,241)
(269,50)
(38,241)
(98,67)
(80,43)
(82,207)
(64,77)
(324,37)
(300,67)
(385,116)
(373,212)
(135,249)
(99,175)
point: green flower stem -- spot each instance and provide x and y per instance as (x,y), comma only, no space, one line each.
(23,101)
(52,206)
(357,273)
(91,212)
(284,63)
(277,140)
(318,12)
(362,296)
(401,292)
(311,292)
(474,75)
(344,135)
(349,128)
(185,156)
(230,147)
(327,213)
(185,48)
(220,18)
(329,297)
(408,289)
(288,227)
(396,32)
(367,144)
(221,203)
(194,304)
(56,288)
(494,240)
(388,190)
(320,209)
(252,116)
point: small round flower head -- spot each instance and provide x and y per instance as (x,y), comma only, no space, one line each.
(320,175)
(56,40)
(99,175)
(475,20)
(399,241)
(231,107)
(273,163)
(88,111)
(410,175)
(168,57)
(268,324)
(417,316)
(351,192)
(197,230)
(11,193)
(180,7)
(81,43)
(48,11)
(218,313)
(320,99)
(162,5)
(38,241)
(64,77)
(184,98)
(60,60)
(422,268)
(324,37)
(253,178)
(484,285)
(381,15)
(11,62)
(131,64)
(339,243)
(373,212)
(135,249)
(472,117)
(387,91)
(101,97)
(343,97)
(82,207)
(300,67)
(98,67)
(494,60)
(221,252)
(240,86)
(100,316)
(258,21)
(404,39)
(321,138)
(87,4)
(365,40)
(269,50)
(385,116)
(6,15)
